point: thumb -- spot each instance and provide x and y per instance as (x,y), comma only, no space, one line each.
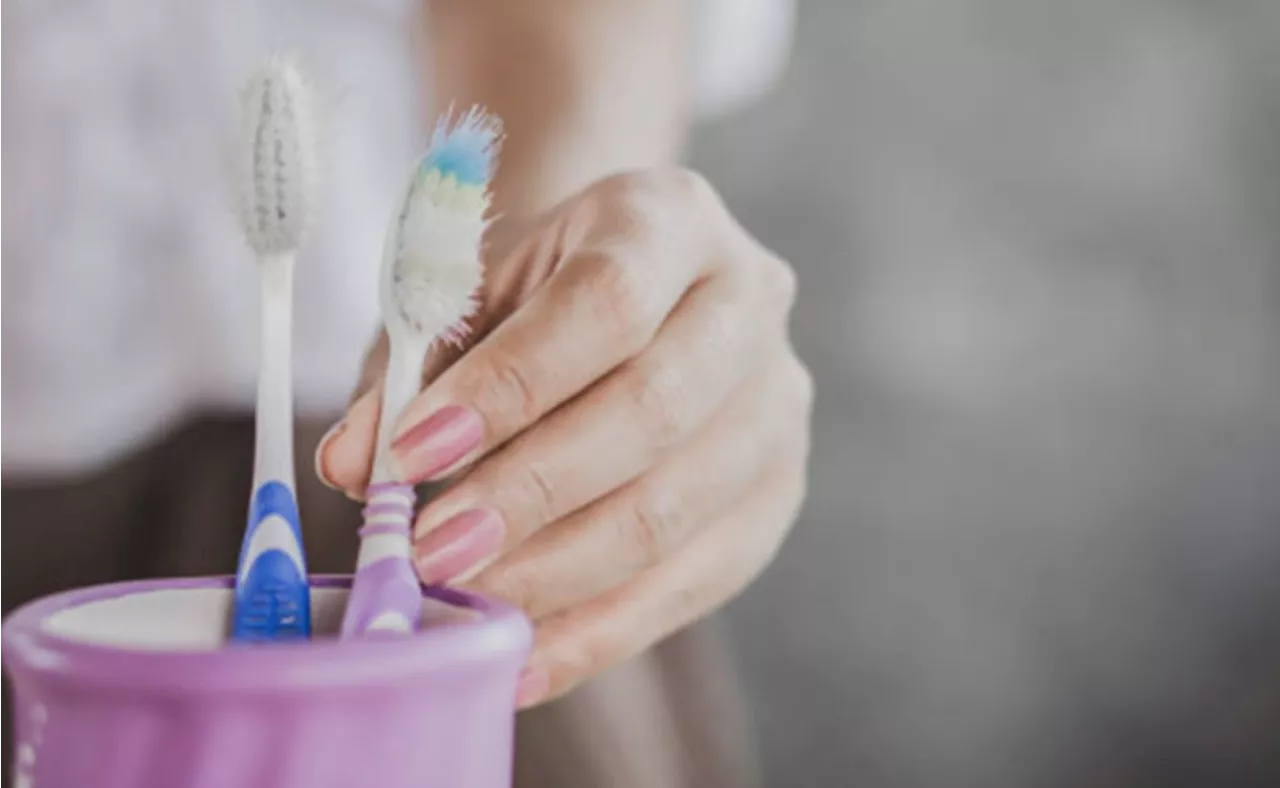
(344,456)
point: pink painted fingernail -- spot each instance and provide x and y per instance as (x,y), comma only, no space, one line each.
(436,443)
(532,686)
(458,544)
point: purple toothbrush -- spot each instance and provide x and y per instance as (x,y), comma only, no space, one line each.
(430,273)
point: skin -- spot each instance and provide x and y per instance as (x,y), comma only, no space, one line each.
(642,419)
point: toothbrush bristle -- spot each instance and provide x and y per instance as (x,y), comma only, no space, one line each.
(280,168)
(437,268)
(465,148)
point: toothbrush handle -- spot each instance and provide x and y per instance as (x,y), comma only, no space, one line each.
(385,593)
(272,594)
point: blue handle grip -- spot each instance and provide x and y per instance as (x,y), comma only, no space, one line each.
(274,498)
(273,600)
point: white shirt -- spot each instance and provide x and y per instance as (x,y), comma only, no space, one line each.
(130,298)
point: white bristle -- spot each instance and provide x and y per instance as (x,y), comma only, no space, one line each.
(437,269)
(434,269)
(280,167)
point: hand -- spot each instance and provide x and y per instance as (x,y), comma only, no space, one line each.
(628,432)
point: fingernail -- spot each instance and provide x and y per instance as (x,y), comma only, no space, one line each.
(532,686)
(437,442)
(321,472)
(459,544)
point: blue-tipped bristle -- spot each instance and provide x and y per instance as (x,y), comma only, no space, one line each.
(464,149)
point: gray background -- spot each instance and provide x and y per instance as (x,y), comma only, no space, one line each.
(1039,252)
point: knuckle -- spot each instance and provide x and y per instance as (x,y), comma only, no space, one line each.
(658,184)
(725,327)
(511,585)
(660,203)
(802,386)
(798,449)
(541,497)
(585,658)
(618,186)
(790,398)
(634,208)
(655,524)
(658,396)
(794,490)
(620,301)
(690,602)
(782,284)
(688,186)
(681,202)
(622,206)
(507,391)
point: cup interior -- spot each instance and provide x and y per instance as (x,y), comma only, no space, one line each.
(199,619)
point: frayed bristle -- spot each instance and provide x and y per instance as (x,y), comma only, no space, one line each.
(437,270)
(280,169)
(465,148)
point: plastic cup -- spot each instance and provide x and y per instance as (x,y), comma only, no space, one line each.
(133,684)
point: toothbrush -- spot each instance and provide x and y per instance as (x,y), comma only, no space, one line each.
(272,599)
(430,272)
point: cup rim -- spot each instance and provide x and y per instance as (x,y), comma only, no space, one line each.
(500,634)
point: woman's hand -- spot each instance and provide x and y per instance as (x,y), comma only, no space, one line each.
(628,433)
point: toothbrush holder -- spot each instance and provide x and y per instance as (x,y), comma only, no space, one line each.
(134,684)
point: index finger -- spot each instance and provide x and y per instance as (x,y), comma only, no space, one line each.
(601,307)
(344,456)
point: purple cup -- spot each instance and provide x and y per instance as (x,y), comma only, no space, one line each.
(133,684)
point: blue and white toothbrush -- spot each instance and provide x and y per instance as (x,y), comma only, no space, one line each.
(431,271)
(272,599)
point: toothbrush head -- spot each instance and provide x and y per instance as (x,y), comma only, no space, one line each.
(434,268)
(279,168)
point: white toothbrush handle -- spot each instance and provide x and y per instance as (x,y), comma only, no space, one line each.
(273,444)
(272,598)
(402,384)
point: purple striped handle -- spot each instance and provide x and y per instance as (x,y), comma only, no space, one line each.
(386,587)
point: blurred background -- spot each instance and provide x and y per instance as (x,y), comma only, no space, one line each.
(1039,253)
